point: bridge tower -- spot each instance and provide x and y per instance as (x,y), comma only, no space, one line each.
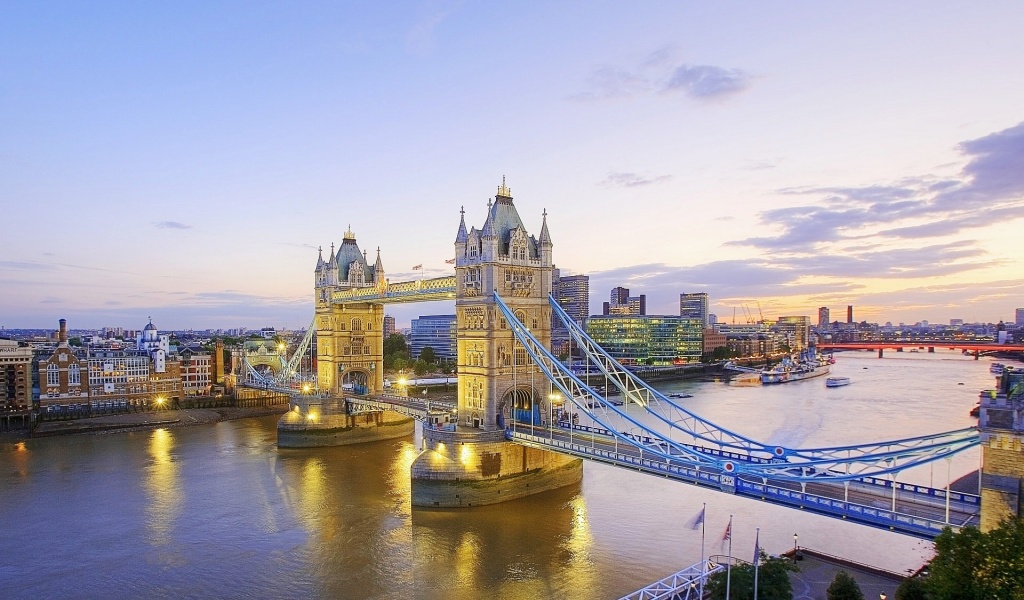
(497,381)
(1001,427)
(350,358)
(350,342)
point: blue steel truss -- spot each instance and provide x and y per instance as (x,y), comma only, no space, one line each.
(735,454)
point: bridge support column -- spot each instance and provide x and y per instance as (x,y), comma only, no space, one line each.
(880,353)
(1001,427)
(321,422)
(931,349)
(977,355)
(474,468)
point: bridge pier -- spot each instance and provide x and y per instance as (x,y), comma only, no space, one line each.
(325,422)
(880,351)
(1001,428)
(469,467)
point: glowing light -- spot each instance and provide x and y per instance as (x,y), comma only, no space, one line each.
(402,381)
(466,454)
(305,388)
(160,400)
(311,417)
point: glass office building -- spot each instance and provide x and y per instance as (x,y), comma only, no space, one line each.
(651,339)
(435,331)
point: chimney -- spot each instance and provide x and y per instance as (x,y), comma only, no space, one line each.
(63,331)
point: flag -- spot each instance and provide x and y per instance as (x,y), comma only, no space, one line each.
(450,262)
(727,536)
(757,546)
(418,268)
(697,520)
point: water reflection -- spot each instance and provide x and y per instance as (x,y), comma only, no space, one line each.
(535,547)
(164,493)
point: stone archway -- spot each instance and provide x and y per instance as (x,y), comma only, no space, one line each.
(521,405)
(356,381)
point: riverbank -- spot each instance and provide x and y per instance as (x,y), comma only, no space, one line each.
(144,420)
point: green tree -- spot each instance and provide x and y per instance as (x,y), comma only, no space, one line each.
(843,587)
(399,363)
(912,589)
(428,355)
(772,581)
(396,344)
(954,573)
(75,341)
(421,368)
(1002,570)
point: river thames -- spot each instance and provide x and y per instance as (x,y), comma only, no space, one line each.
(218,511)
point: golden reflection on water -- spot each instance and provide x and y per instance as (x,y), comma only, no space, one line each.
(163,488)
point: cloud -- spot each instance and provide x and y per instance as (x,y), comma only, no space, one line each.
(707,81)
(631,180)
(990,188)
(172,225)
(15,265)
(660,72)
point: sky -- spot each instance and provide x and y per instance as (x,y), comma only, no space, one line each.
(185,160)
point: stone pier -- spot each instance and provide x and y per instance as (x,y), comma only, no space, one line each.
(325,422)
(472,468)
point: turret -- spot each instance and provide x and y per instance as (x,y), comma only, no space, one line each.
(545,240)
(461,237)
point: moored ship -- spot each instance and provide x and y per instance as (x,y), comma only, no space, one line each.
(804,366)
(837,381)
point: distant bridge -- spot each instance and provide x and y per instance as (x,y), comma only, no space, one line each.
(974,348)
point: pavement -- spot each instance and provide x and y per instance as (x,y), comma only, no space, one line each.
(151,419)
(818,570)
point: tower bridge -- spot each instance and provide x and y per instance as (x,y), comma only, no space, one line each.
(508,433)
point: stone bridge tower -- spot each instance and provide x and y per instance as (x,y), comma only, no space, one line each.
(496,378)
(350,341)
(475,464)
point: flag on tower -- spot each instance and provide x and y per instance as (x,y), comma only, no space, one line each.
(450,262)
(697,520)
(418,268)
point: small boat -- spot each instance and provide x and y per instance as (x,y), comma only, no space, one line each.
(976,411)
(837,381)
(997,368)
(680,395)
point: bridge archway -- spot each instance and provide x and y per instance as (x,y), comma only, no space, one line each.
(357,380)
(520,404)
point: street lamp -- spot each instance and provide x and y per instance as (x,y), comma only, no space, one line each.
(795,546)
(882,596)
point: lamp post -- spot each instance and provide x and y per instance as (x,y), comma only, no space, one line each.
(882,596)
(795,546)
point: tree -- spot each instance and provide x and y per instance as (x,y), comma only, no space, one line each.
(75,341)
(912,589)
(421,368)
(428,355)
(772,581)
(843,587)
(396,344)
(953,573)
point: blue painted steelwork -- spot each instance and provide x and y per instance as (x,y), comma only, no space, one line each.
(684,585)
(773,491)
(844,463)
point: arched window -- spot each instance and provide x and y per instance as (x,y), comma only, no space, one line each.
(357,324)
(74,376)
(52,375)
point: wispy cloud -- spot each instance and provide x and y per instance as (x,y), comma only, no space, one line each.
(990,189)
(660,73)
(631,180)
(707,81)
(172,225)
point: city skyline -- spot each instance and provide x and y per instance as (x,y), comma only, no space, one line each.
(186,164)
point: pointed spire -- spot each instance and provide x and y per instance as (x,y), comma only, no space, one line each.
(488,228)
(545,237)
(461,237)
(332,259)
(349,235)
(379,266)
(320,258)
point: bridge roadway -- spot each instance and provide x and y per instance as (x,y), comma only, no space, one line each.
(914,510)
(911,509)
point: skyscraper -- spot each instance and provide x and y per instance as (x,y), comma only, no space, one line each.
(823,317)
(694,306)
(572,292)
(849,314)
(1020,316)
(621,303)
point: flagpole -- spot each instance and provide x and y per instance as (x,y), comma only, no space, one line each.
(728,565)
(757,558)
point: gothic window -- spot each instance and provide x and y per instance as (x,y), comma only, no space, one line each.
(355,274)
(474,251)
(74,376)
(357,324)
(52,375)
